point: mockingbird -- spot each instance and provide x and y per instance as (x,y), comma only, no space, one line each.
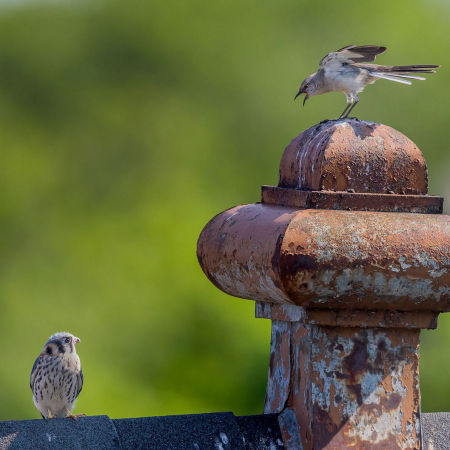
(342,71)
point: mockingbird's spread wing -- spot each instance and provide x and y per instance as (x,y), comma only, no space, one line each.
(346,70)
(350,54)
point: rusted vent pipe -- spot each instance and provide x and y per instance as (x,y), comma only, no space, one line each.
(349,257)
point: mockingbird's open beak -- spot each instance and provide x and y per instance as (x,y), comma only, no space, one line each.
(298,93)
(302,92)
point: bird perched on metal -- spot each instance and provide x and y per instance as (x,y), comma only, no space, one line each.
(56,378)
(343,71)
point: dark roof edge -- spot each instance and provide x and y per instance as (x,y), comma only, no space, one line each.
(220,431)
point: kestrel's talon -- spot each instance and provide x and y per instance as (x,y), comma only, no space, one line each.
(56,378)
(74,416)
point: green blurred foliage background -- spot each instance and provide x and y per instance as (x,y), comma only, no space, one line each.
(124,127)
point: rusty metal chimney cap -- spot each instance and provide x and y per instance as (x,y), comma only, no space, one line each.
(355,155)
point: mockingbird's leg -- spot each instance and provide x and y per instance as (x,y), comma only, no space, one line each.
(345,110)
(350,110)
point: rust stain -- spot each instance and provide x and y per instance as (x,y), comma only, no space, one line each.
(289,430)
(366,396)
(347,318)
(371,319)
(300,394)
(277,390)
(237,247)
(367,259)
(337,156)
(330,259)
(352,201)
(354,387)
(348,257)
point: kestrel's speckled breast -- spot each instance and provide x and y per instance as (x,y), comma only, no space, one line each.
(55,386)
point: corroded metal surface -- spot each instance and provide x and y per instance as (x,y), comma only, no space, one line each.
(353,154)
(352,388)
(355,201)
(330,259)
(372,319)
(367,260)
(348,276)
(287,313)
(277,390)
(355,318)
(290,430)
(235,250)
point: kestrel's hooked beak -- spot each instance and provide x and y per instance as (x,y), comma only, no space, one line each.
(76,340)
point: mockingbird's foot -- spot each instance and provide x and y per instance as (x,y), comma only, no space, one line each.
(347,118)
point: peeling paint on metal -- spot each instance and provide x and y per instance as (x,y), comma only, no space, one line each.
(287,313)
(351,201)
(363,156)
(239,252)
(277,390)
(353,387)
(349,258)
(337,259)
(290,430)
(346,318)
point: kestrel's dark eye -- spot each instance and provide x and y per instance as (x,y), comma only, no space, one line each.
(67,340)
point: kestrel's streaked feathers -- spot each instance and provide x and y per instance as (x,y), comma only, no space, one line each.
(56,377)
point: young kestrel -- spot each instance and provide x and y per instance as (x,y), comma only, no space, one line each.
(56,378)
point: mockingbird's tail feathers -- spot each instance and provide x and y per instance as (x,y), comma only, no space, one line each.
(410,77)
(427,68)
(394,77)
(401,69)
(398,73)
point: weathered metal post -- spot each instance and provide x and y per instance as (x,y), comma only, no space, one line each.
(349,258)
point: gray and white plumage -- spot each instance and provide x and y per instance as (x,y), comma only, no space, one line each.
(56,377)
(343,71)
